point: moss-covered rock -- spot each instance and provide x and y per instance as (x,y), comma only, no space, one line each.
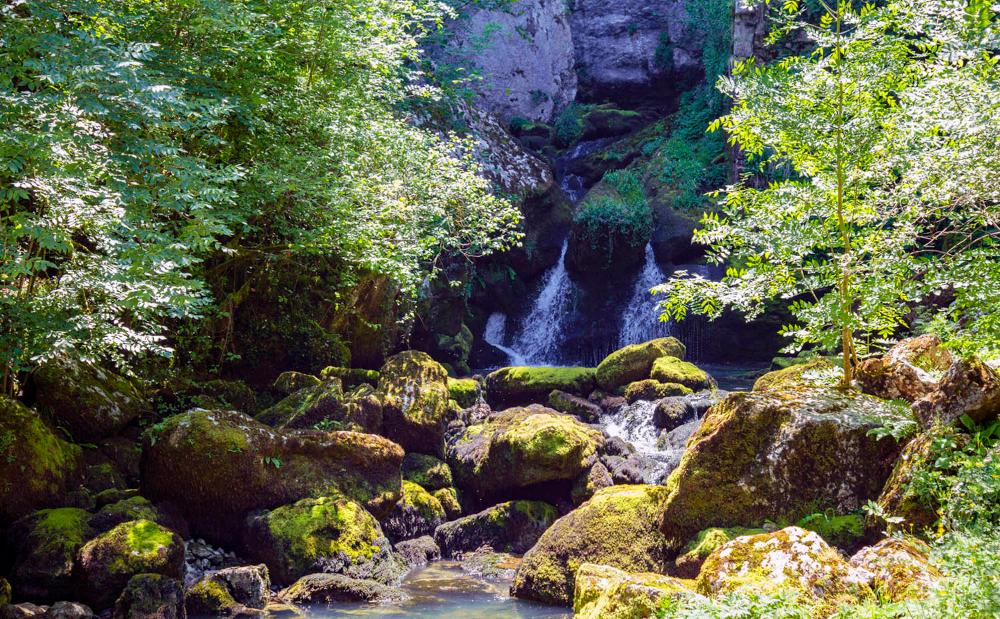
(288,383)
(635,362)
(222,393)
(521,447)
(688,563)
(417,514)
(234,591)
(217,466)
(603,592)
(674,370)
(574,405)
(46,544)
(90,402)
(617,527)
(324,405)
(351,377)
(109,561)
(331,588)
(327,534)
(511,527)
(37,467)
(151,596)
(427,471)
(454,348)
(801,376)
(414,392)
(778,456)
(589,483)
(133,508)
(897,569)
(465,391)
(516,386)
(4,591)
(210,598)
(651,390)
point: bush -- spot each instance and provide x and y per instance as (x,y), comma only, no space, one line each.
(627,214)
(569,125)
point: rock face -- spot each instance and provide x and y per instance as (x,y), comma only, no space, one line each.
(603,592)
(634,363)
(897,569)
(521,447)
(537,29)
(414,392)
(216,466)
(91,402)
(37,467)
(789,559)
(511,527)
(332,535)
(517,386)
(759,456)
(617,527)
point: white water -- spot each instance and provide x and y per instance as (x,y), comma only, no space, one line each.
(495,335)
(634,424)
(641,319)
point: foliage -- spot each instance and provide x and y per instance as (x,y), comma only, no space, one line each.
(150,148)
(626,213)
(851,219)
(569,125)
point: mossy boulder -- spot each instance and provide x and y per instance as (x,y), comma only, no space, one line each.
(233,591)
(512,527)
(417,514)
(216,466)
(414,392)
(465,391)
(132,508)
(791,559)
(898,569)
(652,390)
(427,471)
(211,598)
(325,405)
(4,591)
(516,386)
(326,534)
(288,383)
(521,447)
(589,483)
(91,402)
(617,527)
(603,592)
(37,467)
(575,405)
(451,502)
(631,363)
(688,563)
(151,596)
(46,544)
(812,373)
(674,370)
(780,457)
(351,377)
(109,561)
(333,588)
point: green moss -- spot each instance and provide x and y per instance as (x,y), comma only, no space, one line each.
(307,406)
(351,377)
(673,370)
(209,597)
(427,471)
(423,502)
(147,537)
(603,592)
(524,385)
(4,591)
(842,531)
(65,526)
(635,362)
(809,374)
(650,389)
(710,540)
(448,498)
(544,437)
(536,510)
(465,391)
(325,527)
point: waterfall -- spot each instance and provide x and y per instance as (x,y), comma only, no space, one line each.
(634,424)
(496,333)
(641,320)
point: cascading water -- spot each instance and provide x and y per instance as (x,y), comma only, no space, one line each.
(634,424)
(640,321)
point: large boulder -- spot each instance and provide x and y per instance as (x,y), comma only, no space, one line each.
(415,398)
(45,547)
(511,527)
(333,535)
(521,447)
(516,386)
(89,401)
(898,569)
(151,596)
(969,388)
(574,405)
(651,390)
(692,556)
(603,592)
(325,404)
(332,588)
(772,456)
(806,375)
(427,471)
(417,514)
(217,466)
(909,371)
(791,559)
(674,370)
(617,527)
(635,362)
(37,467)
(109,561)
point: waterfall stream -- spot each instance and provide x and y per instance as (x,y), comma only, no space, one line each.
(640,321)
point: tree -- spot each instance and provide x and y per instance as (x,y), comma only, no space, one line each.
(843,220)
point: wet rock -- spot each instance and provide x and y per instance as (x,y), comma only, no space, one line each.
(427,472)
(674,370)
(633,469)
(759,456)
(688,563)
(611,404)
(487,564)
(790,559)
(634,363)
(574,405)
(521,447)
(603,592)
(151,596)
(465,391)
(651,390)
(333,535)
(330,588)
(672,412)
(909,371)
(897,569)
(969,387)
(617,527)
(89,401)
(417,514)
(615,446)
(217,466)
(419,552)
(512,527)
(37,467)
(414,392)
(449,500)
(46,544)
(515,386)
(109,561)
(68,610)
(210,597)
(589,483)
